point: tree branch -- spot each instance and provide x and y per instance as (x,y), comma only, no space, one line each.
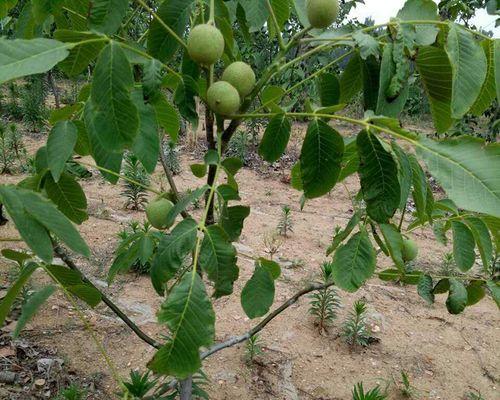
(257,328)
(212,145)
(170,179)
(61,253)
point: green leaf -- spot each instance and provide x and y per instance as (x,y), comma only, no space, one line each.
(390,275)
(475,292)
(494,227)
(488,93)
(390,107)
(190,318)
(463,246)
(174,13)
(405,174)
(343,234)
(152,79)
(218,259)
(296,177)
(457,297)
(106,15)
(83,52)
(275,138)
(482,238)
(497,67)
(437,77)
(14,290)
(272,266)
(68,196)
(256,13)
(425,288)
(48,216)
(281,9)
(419,193)
(171,253)
(30,308)
(351,80)
(425,35)
(186,200)
(394,242)
(32,232)
(257,296)
(467,169)
(379,177)
(494,288)
(147,143)
(350,160)
(17,256)
(64,113)
(320,159)
(198,170)
(231,220)
(73,282)
(60,144)
(118,119)
(368,45)
(354,262)
(5,6)
(371,82)
(103,158)
(442,286)
(329,89)
(21,57)
(469,66)
(167,115)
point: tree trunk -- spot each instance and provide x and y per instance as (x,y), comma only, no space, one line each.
(186,388)
(53,87)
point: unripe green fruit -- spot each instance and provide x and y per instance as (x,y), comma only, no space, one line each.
(410,250)
(205,44)
(241,76)
(322,13)
(223,98)
(157,211)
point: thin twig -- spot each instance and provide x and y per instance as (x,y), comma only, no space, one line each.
(257,328)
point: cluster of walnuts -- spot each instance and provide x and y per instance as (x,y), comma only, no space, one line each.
(205,46)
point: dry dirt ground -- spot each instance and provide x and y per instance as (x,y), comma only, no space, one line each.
(445,356)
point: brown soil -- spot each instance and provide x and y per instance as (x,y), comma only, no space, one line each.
(445,356)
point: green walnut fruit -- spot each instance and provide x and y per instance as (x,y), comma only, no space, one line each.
(157,211)
(322,13)
(410,250)
(205,44)
(241,76)
(223,98)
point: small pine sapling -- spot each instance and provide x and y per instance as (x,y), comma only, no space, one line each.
(139,241)
(238,146)
(358,393)
(325,302)
(33,106)
(72,392)
(171,158)
(272,243)
(408,391)
(12,150)
(134,186)
(355,330)
(474,395)
(139,385)
(253,348)
(285,224)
